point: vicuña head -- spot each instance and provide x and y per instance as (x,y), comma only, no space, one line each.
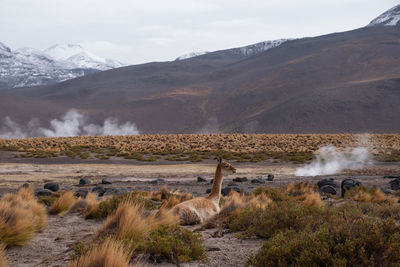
(198,210)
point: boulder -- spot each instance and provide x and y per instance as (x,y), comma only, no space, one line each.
(257,181)
(106,181)
(347,184)
(388,191)
(208,191)
(201,179)
(324,182)
(81,193)
(392,176)
(84,181)
(44,192)
(211,181)
(327,189)
(157,181)
(99,190)
(52,186)
(270,177)
(225,191)
(25,185)
(112,192)
(395,184)
(232,184)
(240,179)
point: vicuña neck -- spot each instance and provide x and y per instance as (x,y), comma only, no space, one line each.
(216,187)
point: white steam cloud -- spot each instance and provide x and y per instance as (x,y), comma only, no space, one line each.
(72,123)
(330,160)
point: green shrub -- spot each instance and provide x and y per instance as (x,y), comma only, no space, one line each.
(173,243)
(347,242)
(278,216)
(275,194)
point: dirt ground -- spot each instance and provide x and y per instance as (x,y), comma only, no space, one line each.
(52,246)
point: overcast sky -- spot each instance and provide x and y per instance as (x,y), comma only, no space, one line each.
(157,30)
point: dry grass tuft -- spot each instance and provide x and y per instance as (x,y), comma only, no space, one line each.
(20,217)
(85,205)
(3,261)
(130,221)
(63,203)
(305,192)
(169,199)
(109,254)
(366,194)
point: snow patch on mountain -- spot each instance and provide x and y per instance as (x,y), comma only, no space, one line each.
(254,49)
(388,18)
(190,55)
(31,67)
(248,50)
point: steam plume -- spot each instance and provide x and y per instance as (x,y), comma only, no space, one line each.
(329,160)
(72,123)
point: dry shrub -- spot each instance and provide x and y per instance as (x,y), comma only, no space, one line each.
(300,189)
(63,203)
(3,261)
(109,254)
(169,199)
(21,216)
(131,222)
(368,194)
(156,234)
(85,205)
(110,205)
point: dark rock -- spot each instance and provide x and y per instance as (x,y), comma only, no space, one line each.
(213,249)
(211,181)
(388,191)
(99,190)
(392,176)
(44,192)
(270,177)
(395,184)
(225,191)
(240,179)
(208,191)
(52,186)
(232,184)
(106,181)
(327,189)
(257,181)
(81,193)
(157,181)
(347,184)
(112,192)
(201,179)
(84,181)
(324,182)
(25,185)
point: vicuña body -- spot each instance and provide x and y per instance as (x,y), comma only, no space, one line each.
(199,209)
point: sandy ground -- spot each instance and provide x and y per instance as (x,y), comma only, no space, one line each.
(52,246)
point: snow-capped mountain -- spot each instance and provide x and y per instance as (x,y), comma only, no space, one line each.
(31,67)
(388,18)
(248,50)
(82,58)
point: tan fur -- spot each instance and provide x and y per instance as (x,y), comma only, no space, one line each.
(200,209)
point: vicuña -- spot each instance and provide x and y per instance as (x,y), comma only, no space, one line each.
(199,209)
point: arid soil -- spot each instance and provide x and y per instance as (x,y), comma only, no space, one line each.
(53,245)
